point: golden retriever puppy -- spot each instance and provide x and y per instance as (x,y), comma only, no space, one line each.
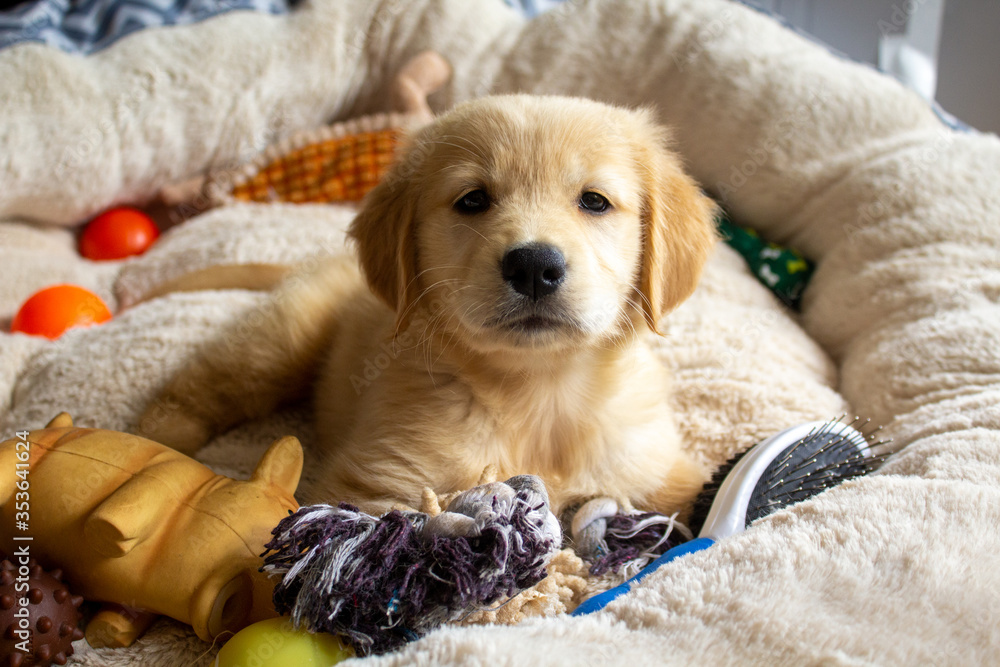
(512,266)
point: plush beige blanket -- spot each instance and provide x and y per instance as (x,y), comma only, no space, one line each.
(900,324)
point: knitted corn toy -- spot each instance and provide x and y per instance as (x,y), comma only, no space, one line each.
(336,163)
(380,582)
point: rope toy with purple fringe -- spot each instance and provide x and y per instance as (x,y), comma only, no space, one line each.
(380,582)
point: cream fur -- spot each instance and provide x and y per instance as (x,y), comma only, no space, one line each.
(464,386)
(900,322)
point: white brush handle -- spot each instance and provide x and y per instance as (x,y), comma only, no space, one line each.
(728,513)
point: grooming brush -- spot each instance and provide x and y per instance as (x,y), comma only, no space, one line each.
(789,467)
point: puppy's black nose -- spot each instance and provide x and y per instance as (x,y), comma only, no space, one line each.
(535,270)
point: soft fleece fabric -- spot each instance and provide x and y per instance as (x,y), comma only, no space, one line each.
(901,322)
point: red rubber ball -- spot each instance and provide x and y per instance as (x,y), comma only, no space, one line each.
(118,233)
(51,311)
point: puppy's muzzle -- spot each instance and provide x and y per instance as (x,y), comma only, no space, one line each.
(535,270)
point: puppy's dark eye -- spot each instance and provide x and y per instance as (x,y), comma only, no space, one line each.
(593,202)
(476,201)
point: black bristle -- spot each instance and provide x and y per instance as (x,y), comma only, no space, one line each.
(815,463)
(818,461)
(703,503)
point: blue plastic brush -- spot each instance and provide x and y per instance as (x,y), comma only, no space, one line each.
(793,465)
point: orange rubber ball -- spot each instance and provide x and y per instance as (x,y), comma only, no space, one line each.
(118,233)
(51,311)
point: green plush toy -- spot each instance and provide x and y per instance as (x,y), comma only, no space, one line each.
(783,270)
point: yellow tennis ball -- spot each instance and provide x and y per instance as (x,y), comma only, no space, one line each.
(275,643)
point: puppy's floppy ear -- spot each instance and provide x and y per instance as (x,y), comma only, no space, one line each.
(678,228)
(385,234)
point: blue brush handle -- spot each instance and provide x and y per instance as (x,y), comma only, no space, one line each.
(599,601)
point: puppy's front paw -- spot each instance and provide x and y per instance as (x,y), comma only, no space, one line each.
(612,538)
(166,423)
(519,504)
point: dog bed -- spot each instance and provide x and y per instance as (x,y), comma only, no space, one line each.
(900,322)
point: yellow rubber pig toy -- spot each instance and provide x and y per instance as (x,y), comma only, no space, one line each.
(132,522)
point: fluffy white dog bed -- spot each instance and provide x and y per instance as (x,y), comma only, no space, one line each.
(901,322)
